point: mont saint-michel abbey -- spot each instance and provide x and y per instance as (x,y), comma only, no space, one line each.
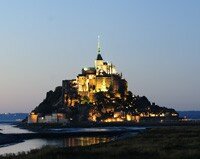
(103,77)
(98,94)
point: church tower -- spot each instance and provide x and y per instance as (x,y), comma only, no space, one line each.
(99,59)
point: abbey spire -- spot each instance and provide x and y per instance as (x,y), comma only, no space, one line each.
(99,57)
(98,45)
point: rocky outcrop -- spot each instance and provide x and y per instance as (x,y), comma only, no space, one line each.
(51,103)
(105,101)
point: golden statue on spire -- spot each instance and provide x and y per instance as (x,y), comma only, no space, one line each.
(98,45)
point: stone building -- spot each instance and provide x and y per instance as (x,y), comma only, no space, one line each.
(103,77)
(32,118)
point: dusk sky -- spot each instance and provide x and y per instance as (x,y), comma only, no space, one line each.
(155,44)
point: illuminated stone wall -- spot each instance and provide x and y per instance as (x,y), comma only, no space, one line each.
(103,83)
(32,118)
(70,92)
(82,83)
(104,67)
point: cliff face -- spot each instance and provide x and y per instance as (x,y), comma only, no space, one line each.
(51,103)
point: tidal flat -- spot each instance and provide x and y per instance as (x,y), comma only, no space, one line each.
(168,142)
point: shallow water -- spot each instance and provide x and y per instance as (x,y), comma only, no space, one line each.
(10,128)
(96,129)
(28,145)
(38,143)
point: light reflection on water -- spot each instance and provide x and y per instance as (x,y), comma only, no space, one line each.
(84,141)
(38,143)
(28,145)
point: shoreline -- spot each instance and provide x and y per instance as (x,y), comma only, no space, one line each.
(54,134)
(170,142)
(44,131)
(38,127)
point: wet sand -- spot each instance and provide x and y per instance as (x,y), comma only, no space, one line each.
(15,138)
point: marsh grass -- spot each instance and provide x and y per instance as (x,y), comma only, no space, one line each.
(181,142)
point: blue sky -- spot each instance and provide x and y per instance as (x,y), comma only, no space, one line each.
(155,44)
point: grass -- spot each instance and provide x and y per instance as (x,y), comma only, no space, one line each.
(181,142)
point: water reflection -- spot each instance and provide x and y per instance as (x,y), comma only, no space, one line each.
(9,129)
(28,145)
(84,141)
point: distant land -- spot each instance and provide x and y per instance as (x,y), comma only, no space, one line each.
(189,114)
(11,117)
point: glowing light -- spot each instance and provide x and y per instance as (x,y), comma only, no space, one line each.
(128,117)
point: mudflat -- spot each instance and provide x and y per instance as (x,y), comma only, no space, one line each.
(167,142)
